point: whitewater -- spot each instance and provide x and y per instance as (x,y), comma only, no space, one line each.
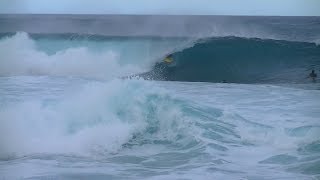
(93,98)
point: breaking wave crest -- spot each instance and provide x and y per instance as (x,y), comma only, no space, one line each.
(21,56)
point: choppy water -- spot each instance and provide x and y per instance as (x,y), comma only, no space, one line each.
(67,112)
(71,128)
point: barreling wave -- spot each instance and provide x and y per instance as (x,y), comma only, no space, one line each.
(219,59)
(241,60)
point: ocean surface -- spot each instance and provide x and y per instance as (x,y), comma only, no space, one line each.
(90,97)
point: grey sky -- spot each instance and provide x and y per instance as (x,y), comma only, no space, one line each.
(208,7)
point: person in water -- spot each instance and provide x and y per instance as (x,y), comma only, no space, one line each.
(313,76)
(168,59)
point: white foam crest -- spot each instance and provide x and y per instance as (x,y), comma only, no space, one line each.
(266,140)
(36,129)
(20,56)
(99,119)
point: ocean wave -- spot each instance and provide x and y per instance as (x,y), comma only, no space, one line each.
(107,119)
(118,116)
(20,55)
(241,60)
(208,127)
(221,59)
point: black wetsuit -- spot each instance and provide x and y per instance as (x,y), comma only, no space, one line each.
(313,75)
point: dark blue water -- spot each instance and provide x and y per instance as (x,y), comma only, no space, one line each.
(241,60)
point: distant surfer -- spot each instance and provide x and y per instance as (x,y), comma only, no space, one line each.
(168,59)
(160,69)
(313,76)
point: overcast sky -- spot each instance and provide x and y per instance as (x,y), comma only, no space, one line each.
(207,7)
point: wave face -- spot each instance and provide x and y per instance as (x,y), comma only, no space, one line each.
(242,60)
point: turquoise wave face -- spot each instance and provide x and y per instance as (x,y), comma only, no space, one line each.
(240,60)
